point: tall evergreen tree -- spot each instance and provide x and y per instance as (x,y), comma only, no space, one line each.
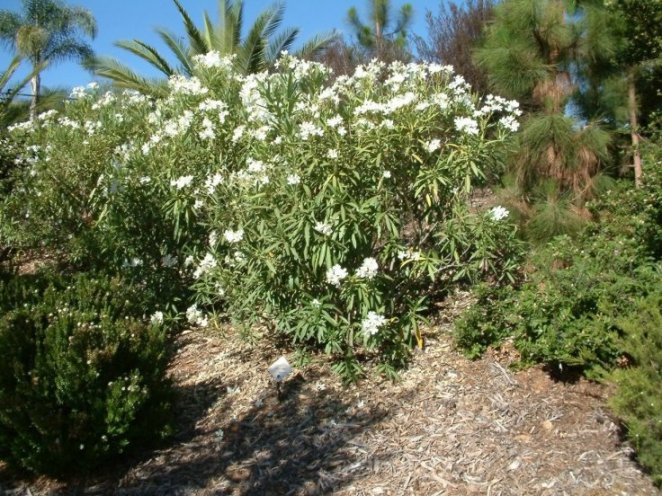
(384,34)
(533,52)
(47,31)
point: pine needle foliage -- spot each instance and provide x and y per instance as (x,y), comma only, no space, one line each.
(534,51)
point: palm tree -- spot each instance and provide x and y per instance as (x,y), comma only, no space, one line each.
(47,31)
(256,52)
(7,95)
(376,36)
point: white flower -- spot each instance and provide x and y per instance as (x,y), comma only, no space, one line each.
(466,125)
(323,228)
(335,274)
(308,129)
(387,174)
(510,123)
(499,213)
(368,269)
(233,236)
(195,316)
(433,146)
(372,323)
(213,181)
(206,264)
(293,179)
(332,154)
(334,121)
(182,182)
(156,318)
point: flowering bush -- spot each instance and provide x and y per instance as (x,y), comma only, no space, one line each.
(328,210)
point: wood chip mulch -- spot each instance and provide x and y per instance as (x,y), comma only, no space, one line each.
(448,427)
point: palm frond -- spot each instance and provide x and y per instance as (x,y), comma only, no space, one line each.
(317,44)
(123,77)
(147,53)
(196,39)
(179,49)
(280,43)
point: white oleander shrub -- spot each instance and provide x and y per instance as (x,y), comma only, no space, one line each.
(326,211)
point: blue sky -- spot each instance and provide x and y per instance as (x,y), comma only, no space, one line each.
(129,19)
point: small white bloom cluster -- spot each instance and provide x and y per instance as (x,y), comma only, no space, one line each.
(466,125)
(308,129)
(195,316)
(207,132)
(433,145)
(233,236)
(323,228)
(181,182)
(499,213)
(205,265)
(409,255)
(156,318)
(213,181)
(187,86)
(509,122)
(335,275)
(293,179)
(368,269)
(209,60)
(371,324)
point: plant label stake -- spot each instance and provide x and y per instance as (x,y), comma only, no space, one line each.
(279,370)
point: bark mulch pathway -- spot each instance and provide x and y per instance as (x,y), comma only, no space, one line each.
(449,427)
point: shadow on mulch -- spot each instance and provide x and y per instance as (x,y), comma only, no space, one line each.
(291,446)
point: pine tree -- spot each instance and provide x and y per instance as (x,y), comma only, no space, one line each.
(533,52)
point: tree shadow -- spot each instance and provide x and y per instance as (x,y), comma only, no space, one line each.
(301,443)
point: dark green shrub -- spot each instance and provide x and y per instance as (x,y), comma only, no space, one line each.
(82,375)
(565,311)
(638,401)
(487,322)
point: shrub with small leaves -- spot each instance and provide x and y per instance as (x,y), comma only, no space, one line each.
(82,375)
(638,400)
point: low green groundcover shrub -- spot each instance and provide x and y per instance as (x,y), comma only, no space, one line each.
(82,375)
(638,400)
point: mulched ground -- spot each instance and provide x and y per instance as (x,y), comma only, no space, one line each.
(449,427)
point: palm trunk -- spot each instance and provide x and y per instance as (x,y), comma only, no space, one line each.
(35,84)
(634,128)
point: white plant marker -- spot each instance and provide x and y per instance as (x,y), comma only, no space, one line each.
(280,369)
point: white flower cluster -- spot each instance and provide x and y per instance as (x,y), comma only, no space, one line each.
(156,318)
(371,324)
(181,182)
(499,213)
(212,59)
(195,316)
(213,181)
(308,129)
(368,269)
(233,236)
(293,179)
(205,265)
(335,275)
(207,132)
(323,228)
(466,125)
(187,86)
(433,145)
